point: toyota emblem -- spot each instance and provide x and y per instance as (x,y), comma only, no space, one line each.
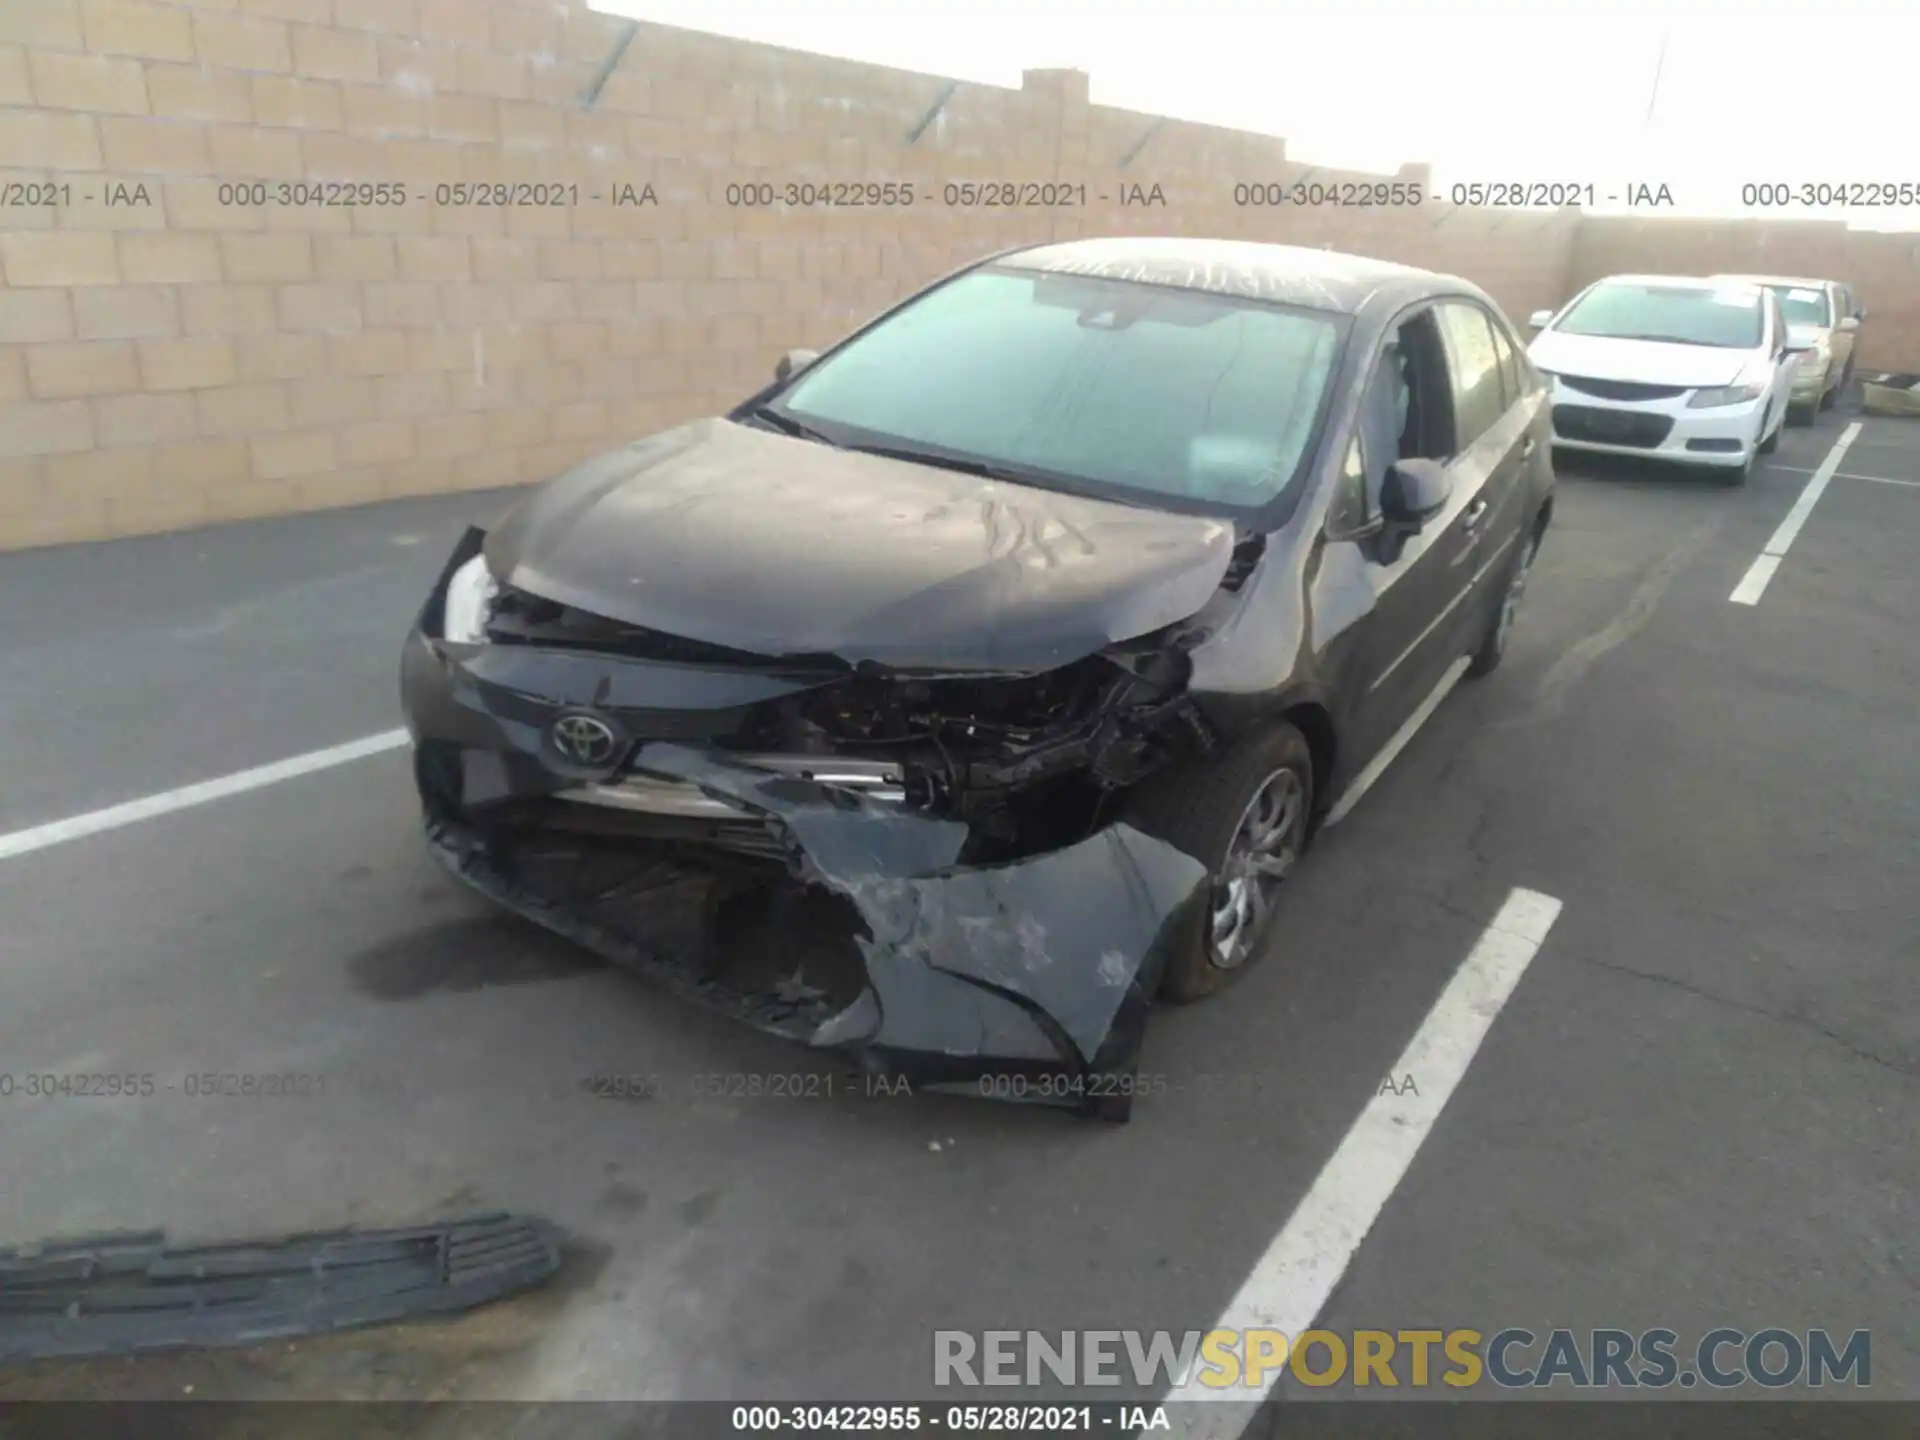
(585,739)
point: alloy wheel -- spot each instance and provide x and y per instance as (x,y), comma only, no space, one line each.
(1264,849)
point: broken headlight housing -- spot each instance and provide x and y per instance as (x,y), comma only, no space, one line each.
(471,593)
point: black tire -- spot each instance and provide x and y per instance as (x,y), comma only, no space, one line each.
(1828,397)
(1800,414)
(1493,647)
(1199,808)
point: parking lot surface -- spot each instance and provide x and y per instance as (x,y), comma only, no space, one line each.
(1697,1109)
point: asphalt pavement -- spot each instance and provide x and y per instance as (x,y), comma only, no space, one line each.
(1697,1109)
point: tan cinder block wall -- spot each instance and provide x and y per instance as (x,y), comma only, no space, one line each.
(198,358)
(1882,267)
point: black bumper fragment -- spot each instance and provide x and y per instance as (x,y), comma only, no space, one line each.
(119,1294)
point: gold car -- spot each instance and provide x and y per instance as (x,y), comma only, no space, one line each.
(1825,313)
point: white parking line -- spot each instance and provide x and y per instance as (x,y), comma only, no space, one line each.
(1848,475)
(1292,1280)
(93,822)
(1754,583)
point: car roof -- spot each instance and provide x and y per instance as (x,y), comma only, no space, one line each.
(1289,274)
(1681,282)
(1778,280)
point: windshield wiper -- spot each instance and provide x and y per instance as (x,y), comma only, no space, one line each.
(1675,340)
(787,425)
(982,468)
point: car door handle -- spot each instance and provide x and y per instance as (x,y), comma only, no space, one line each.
(1475,513)
(1526,448)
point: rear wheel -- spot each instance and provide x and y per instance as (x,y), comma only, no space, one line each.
(1829,396)
(1244,815)
(1800,414)
(1494,647)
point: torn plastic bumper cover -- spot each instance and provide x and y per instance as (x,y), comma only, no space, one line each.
(1027,980)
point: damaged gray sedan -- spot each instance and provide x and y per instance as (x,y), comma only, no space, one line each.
(1039,623)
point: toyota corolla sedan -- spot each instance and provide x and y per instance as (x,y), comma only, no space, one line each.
(1039,623)
(1670,368)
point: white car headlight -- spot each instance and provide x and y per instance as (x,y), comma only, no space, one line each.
(470,596)
(1725,395)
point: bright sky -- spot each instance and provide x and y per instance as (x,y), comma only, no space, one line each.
(1555,90)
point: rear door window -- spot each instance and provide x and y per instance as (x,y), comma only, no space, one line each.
(1474,363)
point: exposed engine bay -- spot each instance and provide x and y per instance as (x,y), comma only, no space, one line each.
(984,750)
(1026,761)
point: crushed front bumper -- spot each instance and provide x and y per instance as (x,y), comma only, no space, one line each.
(1028,979)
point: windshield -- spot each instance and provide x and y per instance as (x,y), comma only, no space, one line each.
(1134,390)
(1681,315)
(1802,306)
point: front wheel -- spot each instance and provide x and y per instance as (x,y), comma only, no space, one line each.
(1244,815)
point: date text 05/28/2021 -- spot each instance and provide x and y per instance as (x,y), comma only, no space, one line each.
(1005,1419)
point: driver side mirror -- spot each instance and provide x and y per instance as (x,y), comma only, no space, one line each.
(1850,324)
(1413,492)
(792,363)
(1539,320)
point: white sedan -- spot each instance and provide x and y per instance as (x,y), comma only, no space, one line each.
(1671,368)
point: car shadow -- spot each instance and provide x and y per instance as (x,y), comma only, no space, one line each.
(1640,471)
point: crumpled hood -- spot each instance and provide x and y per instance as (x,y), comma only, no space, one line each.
(1648,361)
(760,542)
